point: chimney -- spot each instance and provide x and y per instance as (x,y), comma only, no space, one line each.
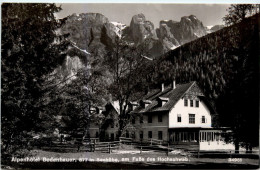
(162,89)
(173,84)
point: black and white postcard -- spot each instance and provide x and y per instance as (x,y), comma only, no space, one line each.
(129,86)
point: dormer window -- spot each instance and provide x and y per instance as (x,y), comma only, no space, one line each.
(185,102)
(197,103)
(191,103)
(145,103)
(99,110)
(133,105)
(162,101)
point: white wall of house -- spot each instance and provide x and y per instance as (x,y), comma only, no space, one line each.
(184,111)
(155,125)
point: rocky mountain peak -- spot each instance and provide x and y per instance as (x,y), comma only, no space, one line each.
(89,30)
(92,34)
(139,18)
(140,29)
(91,18)
(175,33)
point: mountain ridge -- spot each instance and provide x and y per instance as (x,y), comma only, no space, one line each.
(93,34)
(88,28)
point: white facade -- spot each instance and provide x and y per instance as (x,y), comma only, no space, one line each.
(212,140)
(180,110)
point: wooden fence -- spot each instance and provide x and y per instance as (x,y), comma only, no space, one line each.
(149,145)
(155,145)
(105,146)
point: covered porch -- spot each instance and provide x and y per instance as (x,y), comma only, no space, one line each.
(184,135)
(204,138)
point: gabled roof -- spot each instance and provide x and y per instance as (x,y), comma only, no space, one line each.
(174,95)
(115,105)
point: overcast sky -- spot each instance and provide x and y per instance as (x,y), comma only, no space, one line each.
(209,14)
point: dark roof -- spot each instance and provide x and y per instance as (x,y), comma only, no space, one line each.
(172,94)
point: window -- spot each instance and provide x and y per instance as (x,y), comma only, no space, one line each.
(197,103)
(141,119)
(141,134)
(160,118)
(97,134)
(150,119)
(133,120)
(163,102)
(192,118)
(178,117)
(191,103)
(203,119)
(150,134)
(127,134)
(160,135)
(185,102)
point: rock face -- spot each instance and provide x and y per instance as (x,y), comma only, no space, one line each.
(90,34)
(93,34)
(166,36)
(190,28)
(119,28)
(89,30)
(173,34)
(140,29)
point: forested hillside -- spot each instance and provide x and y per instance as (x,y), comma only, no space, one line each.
(225,64)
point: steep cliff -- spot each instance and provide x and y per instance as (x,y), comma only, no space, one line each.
(173,34)
(93,34)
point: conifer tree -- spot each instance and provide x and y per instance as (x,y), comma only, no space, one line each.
(31,49)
